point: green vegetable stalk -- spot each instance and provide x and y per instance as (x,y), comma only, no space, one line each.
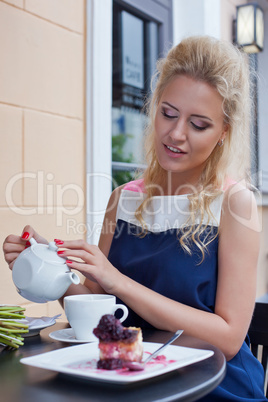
(10,326)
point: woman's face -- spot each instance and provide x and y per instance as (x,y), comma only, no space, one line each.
(188,125)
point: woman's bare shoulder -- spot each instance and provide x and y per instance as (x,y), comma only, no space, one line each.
(239,205)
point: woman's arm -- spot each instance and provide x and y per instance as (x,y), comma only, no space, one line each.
(106,236)
(90,285)
(105,240)
(238,254)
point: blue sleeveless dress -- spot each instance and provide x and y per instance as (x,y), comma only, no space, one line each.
(158,262)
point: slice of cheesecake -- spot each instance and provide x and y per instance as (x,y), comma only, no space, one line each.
(117,344)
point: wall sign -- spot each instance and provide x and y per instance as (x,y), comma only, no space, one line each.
(132,50)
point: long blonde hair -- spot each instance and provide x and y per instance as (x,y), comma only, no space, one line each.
(225,68)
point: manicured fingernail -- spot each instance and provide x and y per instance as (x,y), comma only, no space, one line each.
(68,262)
(60,251)
(25,235)
(58,242)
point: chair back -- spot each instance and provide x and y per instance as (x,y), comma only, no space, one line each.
(258,334)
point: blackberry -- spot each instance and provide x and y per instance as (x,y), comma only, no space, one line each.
(109,328)
(110,364)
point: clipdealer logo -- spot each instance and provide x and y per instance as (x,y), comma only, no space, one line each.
(49,200)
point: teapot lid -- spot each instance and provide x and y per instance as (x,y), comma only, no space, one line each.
(47,253)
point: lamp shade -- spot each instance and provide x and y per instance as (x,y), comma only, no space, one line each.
(250,27)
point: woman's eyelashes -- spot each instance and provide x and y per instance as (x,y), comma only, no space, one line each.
(171,115)
(197,127)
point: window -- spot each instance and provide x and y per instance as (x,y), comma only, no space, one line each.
(136,48)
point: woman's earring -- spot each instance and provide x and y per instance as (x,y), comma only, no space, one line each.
(220,143)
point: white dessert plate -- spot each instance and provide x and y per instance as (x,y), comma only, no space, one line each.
(66,335)
(36,324)
(81,361)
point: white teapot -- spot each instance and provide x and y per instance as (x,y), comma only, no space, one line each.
(40,274)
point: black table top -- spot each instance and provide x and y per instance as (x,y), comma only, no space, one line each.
(21,383)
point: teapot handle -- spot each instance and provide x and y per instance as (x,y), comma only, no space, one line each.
(32,241)
(74,277)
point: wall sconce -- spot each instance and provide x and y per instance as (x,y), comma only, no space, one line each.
(250,27)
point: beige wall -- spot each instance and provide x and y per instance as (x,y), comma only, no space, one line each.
(42,128)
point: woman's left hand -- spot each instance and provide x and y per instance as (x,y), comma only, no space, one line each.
(94,265)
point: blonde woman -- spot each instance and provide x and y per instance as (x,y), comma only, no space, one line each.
(180,245)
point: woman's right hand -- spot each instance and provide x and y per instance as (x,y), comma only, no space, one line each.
(14,245)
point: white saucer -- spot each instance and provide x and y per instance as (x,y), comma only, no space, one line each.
(35,329)
(67,335)
(35,324)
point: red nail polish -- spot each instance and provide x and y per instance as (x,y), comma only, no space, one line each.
(28,243)
(58,242)
(68,262)
(60,251)
(25,235)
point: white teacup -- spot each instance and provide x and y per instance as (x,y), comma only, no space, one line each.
(84,312)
